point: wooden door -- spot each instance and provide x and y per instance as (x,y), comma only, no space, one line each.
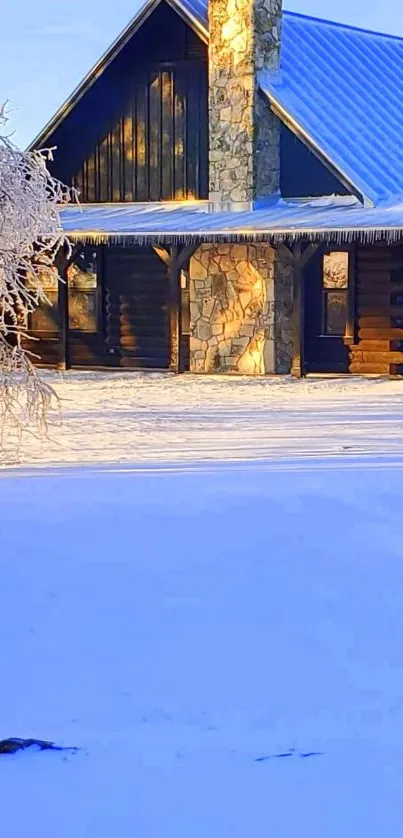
(327,315)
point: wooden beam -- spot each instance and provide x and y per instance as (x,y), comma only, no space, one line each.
(306,255)
(285,252)
(185,253)
(62,263)
(174,308)
(298,323)
(163,253)
(299,258)
(175,259)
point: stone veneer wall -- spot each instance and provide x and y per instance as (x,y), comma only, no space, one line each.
(240,310)
(244,135)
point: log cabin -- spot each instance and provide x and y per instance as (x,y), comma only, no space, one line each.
(240,178)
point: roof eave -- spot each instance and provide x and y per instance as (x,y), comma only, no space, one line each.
(340,235)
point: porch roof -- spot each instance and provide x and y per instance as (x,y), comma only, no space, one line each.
(339,219)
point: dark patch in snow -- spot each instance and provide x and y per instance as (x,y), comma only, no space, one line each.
(11,746)
(292,753)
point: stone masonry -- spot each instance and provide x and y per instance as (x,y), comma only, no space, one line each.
(240,310)
(241,294)
(244,159)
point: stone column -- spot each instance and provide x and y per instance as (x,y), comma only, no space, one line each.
(244,159)
(240,310)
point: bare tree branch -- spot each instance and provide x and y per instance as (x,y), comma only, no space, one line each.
(31,235)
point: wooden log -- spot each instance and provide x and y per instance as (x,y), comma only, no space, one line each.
(373,311)
(378,301)
(375,321)
(379,288)
(381,334)
(369,277)
(359,368)
(373,267)
(371,346)
(382,357)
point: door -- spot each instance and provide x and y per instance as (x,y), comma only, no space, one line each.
(136,307)
(327,316)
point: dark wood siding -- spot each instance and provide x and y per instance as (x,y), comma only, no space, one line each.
(379,310)
(157,150)
(132,322)
(140,131)
(301,173)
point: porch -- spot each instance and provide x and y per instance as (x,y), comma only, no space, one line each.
(281,288)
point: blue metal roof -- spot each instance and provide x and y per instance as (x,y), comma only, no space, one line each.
(336,218)
(339,88)
(344,88)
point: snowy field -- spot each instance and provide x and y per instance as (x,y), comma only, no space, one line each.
(159,419)
(217,623)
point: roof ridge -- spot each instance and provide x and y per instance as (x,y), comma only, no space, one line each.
(339,25)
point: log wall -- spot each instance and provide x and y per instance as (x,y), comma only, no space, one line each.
(378,346)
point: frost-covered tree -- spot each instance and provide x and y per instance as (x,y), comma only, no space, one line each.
(31,236)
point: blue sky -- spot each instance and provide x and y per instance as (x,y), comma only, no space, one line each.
(47,47)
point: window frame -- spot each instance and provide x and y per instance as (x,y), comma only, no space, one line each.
(349,333)
(96,292)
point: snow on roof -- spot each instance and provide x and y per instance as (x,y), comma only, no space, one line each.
(338,218)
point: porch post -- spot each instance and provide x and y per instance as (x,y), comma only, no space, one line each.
(175,311)
(299,258)
(298,322)
(62,264)
(175,259)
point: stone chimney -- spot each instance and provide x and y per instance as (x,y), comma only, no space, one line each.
(244,157)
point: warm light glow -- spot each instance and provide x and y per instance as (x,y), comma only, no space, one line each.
(231,29)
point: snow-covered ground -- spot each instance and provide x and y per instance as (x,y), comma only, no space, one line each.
(134,419)
(217,626)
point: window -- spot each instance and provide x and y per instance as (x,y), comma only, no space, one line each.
(335,292)
(82,275)
(45,316)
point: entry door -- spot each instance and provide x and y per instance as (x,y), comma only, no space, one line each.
(136,307)
(327,312)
